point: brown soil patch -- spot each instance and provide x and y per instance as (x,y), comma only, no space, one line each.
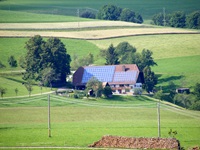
(137,143)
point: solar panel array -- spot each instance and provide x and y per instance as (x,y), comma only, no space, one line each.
(102,73)
(125,76)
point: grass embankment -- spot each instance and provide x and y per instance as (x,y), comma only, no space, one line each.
(23,121)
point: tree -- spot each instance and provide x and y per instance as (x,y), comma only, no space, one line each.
(88,14)
(159,95)
(193,20)
(172,90)
(2,91)
(182,100)
(48,76)
(144,59)
(16,91)
(124,52)
(29,87)
(95,85)
(138,18)
(158,19)
(41,55)
(83,61)
(12,62)
(127,15)
(107,91)
(197,90)
(55,56)
(111,56)
(109,12)
(32,61)
(150,79)
(177,19)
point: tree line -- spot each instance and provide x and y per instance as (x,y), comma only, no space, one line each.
(178,19)
(112,12)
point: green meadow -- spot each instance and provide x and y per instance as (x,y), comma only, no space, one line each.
(177,55)
(23,121)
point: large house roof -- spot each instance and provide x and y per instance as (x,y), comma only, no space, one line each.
(113,74)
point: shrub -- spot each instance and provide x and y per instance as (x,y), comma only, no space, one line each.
(88,14)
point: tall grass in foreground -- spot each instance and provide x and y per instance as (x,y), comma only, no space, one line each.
(74,124)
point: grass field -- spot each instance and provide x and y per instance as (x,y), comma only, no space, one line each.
(23,121)
(69,8)
(177,61)
(15,47)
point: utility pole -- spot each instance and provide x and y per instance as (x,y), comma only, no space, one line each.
(158,114)
(78,16)
(164,20)
(49,117)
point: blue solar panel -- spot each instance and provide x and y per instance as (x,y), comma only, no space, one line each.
(102,73)
(125,76)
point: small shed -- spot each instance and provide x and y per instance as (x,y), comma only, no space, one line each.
(183,90)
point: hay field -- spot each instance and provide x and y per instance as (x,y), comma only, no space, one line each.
(68,25)
(89,33)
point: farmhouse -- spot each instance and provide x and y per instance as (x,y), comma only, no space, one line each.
(121,78)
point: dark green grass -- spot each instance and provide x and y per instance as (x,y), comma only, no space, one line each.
(81,125)
(145,7)
(183,71)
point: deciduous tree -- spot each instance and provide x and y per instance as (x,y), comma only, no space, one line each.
(46,54)
(193,20)
(124,52)
(95,85)
(109,12)
(177,19)
(2,91)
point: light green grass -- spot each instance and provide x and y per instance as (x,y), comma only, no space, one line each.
(163,46)
(26,17)
(77,125)
(12,82)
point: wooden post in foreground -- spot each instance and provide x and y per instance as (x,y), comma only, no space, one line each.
(49,117)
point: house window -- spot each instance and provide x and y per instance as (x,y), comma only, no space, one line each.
(121,85)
